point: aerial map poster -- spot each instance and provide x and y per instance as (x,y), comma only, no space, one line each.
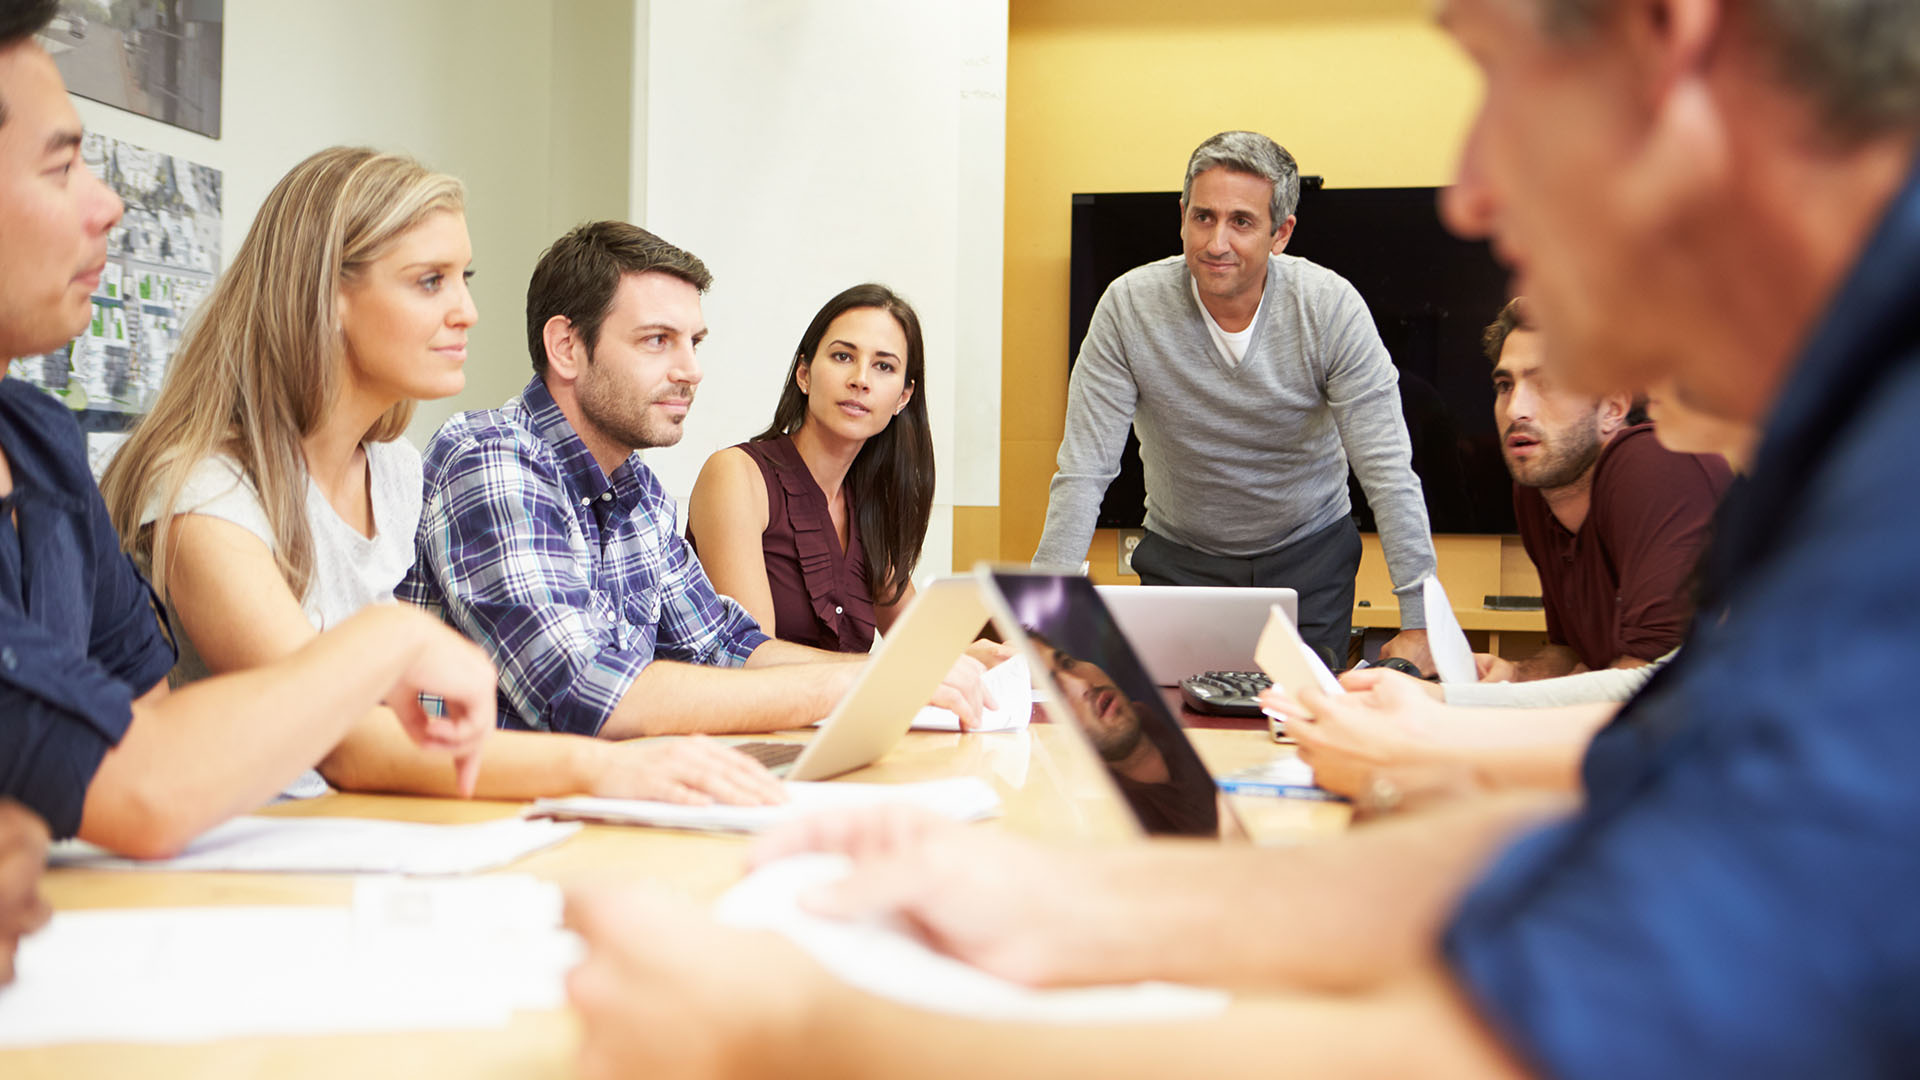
(161,260)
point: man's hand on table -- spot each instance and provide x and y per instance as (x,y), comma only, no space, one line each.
(963,692)
(692,770)
(1036,915)
(23,854)
(665,992)
(1411,646)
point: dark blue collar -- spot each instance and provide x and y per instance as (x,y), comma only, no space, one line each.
(33,429)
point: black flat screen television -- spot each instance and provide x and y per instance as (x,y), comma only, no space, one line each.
(1430,293)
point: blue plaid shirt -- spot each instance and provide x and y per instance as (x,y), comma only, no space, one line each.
(573,580)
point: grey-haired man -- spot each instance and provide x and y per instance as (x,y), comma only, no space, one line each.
(1253,378)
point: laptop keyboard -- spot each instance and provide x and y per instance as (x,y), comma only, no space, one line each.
(1225,693)
(771,754)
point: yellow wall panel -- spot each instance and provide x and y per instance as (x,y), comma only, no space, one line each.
(976,536)
(1112,95)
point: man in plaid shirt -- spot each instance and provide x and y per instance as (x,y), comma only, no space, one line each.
(545,539)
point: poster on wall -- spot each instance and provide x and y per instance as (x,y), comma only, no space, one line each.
(158,58)
(161,261)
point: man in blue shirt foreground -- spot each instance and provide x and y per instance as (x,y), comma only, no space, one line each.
(1719,193)
(90,739)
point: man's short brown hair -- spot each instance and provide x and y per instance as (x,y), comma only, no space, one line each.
(577,277)
(1515,316)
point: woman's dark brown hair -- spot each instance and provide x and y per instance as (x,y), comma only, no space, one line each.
(892,478)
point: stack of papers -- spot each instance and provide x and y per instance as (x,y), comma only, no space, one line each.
(964,798)
(407,956)
(324,845)
(887,960)
(1011,685)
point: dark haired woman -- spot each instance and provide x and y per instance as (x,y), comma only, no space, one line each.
(815,525)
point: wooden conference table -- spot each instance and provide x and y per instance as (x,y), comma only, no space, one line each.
(1033,772)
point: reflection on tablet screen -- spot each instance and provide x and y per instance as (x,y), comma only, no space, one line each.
(1100,686)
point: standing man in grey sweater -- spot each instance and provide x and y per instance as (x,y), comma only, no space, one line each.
(1252,379)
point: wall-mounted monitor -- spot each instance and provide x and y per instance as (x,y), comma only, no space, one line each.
(1430,293)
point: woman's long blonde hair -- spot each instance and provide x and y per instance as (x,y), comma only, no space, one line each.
(261,361)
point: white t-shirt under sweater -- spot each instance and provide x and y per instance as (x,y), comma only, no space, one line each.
(350,571)
(1232,346)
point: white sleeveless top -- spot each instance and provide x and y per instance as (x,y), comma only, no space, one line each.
(350,571)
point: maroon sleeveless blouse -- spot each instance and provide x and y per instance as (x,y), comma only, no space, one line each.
(821,595)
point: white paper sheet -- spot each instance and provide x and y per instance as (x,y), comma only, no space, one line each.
(1452,656)
(1288,661)
(1011,685)
(408,955)
(329,845)
(963,798)
(886,960)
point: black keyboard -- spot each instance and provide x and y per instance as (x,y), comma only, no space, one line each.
(771,754)
(1225,693)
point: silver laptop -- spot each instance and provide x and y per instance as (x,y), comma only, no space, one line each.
(1091,681)
(1183,630)
(913,658)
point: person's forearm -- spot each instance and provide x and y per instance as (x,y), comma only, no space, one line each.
(1101,397)
(1611,686)
(1072,505)
(671,698)
(1407,545)
(1420,1026)
(776,653)
(1339,914)
(1521,748)
(228,744)
(377,756)
(1380,453)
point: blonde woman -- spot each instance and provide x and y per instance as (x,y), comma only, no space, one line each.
(270,493)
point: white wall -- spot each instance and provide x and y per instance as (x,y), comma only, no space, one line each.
(802,147)
(467,86)
(981,210)
(591,110)
(798,146)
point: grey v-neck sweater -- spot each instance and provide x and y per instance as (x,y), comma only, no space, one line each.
(1244,460)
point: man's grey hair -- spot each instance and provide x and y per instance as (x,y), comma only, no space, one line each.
(1256,155)
(1859,60)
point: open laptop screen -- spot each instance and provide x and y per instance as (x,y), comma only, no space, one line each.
(1100,686)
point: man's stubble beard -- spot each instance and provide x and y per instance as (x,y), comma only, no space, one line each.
(632,424)
(1563,462)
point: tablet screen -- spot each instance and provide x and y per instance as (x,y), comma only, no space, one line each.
(1098,684)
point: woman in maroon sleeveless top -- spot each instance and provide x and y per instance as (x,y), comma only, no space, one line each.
(815,525)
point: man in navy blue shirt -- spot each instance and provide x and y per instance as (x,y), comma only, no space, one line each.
(1718,194)
(90,739)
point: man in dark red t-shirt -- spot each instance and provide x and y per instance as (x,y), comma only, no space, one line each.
(1612,520)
